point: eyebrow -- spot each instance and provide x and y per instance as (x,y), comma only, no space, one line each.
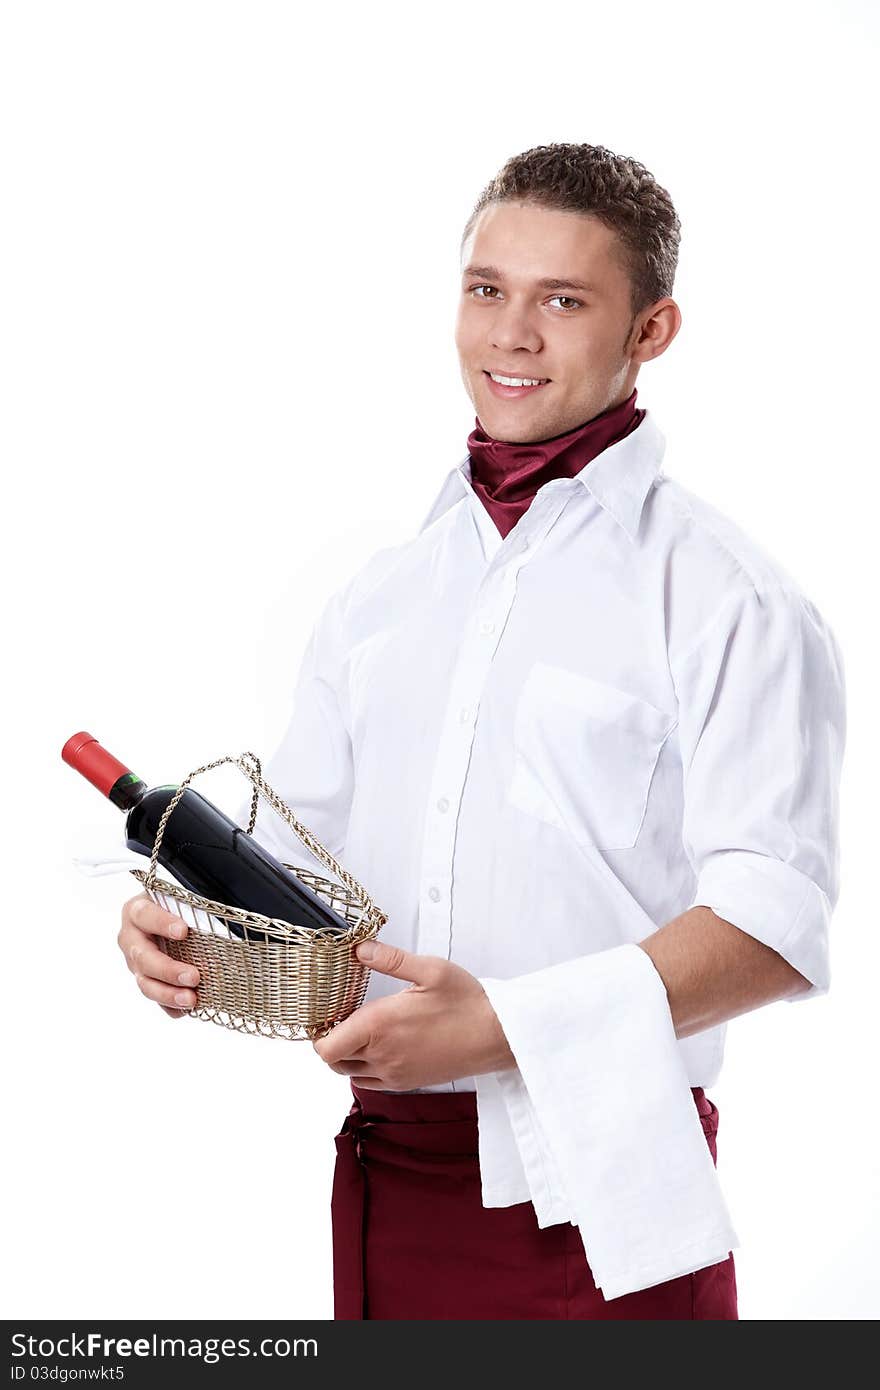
(491,272)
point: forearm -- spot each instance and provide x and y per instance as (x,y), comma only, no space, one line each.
(713,971)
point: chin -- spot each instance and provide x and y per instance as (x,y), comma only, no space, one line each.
(515,426)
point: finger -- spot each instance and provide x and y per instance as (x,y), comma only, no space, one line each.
(346,1040)
(403,965)
(175,1013)
(168,996)
(143,957)
(150,917)
(350,1067)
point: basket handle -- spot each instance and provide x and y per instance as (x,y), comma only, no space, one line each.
(263,789)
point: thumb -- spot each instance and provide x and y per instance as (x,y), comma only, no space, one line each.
(393,960)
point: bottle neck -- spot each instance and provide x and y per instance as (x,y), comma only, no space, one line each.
(91,760)
(128,791)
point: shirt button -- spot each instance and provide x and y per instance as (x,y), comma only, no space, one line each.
(486,627)
(464,714)
(443,804)
(434,894)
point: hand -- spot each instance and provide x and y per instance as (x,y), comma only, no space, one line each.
(441,1027)
(158,976)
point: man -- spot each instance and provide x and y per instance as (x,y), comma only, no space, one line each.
(581,740)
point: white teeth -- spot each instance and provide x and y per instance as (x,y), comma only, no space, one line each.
(516,380)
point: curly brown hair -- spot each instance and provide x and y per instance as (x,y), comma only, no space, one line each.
(619,191)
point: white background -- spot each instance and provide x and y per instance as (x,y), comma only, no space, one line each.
(230,269)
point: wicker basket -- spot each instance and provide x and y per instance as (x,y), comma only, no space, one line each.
(296,985)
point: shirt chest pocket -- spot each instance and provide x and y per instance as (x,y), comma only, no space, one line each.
(584,755)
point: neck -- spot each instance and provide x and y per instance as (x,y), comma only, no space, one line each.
(506,475)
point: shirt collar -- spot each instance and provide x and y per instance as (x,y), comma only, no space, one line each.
(619,478)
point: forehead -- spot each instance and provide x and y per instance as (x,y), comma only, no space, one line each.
(526,242)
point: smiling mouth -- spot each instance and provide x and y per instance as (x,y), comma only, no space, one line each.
(514,392)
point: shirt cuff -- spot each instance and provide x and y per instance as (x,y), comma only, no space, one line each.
(774,903)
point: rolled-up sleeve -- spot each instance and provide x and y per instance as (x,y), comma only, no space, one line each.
(762,728)
(312,767)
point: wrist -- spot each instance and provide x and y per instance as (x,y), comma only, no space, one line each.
(497,1053)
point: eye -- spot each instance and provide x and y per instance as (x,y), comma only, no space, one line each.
(575,303)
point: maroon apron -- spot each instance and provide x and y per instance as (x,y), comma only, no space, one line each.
(412,1239)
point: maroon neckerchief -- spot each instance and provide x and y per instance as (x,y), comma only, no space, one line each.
(506,476)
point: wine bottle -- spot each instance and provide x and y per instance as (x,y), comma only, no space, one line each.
(204,850)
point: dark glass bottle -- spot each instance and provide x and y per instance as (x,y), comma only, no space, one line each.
(204,850)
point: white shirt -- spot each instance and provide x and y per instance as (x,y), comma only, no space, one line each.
(538,748)
(534,748)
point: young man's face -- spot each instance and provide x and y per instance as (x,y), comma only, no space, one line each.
(583,342)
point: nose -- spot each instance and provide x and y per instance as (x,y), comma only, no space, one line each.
(512,328)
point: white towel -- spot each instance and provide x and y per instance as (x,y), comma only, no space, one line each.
(597,1124)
